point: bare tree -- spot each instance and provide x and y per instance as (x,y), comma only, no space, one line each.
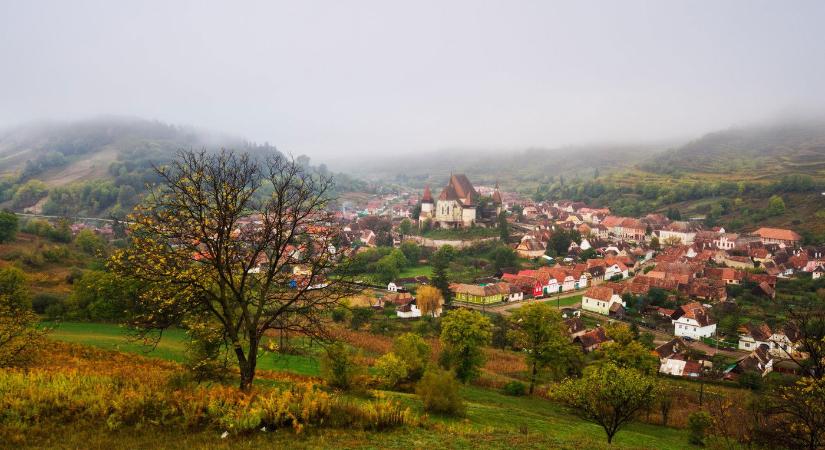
(227,238)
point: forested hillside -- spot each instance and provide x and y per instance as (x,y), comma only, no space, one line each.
(100,167)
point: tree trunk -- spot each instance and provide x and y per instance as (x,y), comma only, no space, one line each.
(533,378)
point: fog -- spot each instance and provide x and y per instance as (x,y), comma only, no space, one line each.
(354,80)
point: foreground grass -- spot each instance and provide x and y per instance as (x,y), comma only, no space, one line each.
(493,420)
(172,346)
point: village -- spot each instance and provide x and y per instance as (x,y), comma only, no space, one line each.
(681,282)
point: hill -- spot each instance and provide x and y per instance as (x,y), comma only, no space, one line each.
(100,167)
(63,152)
(755,153)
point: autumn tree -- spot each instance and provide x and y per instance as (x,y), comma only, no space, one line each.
(794,416)
(429,300)
(243,242)
(463,336)
(19,334)
(539,332)
(608,396)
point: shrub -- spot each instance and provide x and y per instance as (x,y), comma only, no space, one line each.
(41,302)
(515,388)
(391,370)
(360,316)
(340,314)
(698,424)
(338,366)
(383,413)
(414,351)
(439,391)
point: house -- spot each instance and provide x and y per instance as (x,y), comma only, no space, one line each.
(759,361)
(818,273)
(481,294)
(516,294)
(779,236)
(575,327)
(530,248)
(695,322)
(738,262)
(679,231)
(780,343)
(674,361)
(616,270)
(726,241)
(409,311)
(600,299)
(392,287)
(592,339)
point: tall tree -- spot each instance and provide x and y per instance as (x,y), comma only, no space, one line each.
(440,260)
(463,335)
(214,246)
(404,228)
(538,331)
(429,300)
(503,227)
(608,396)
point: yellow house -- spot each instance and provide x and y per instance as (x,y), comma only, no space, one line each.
(481,295)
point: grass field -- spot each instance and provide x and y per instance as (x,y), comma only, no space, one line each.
(172,346)
(493,420)
(416,271)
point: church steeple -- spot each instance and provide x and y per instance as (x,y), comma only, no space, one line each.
(428,196)
(497,195)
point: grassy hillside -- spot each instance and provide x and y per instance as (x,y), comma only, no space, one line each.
(493,420)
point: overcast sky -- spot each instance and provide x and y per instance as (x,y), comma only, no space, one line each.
(369,77)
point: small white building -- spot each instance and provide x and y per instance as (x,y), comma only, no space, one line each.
(695,322)
(599,299)
(392,287)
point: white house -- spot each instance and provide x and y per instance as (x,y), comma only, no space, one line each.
(614,270)
(392,287)
(695,322)
(599,299)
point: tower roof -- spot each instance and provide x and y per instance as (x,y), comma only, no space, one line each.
(497,195)
(428,196)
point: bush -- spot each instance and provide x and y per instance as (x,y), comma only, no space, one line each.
(41,302)
(338,366)
(515,388)
(750,380)
(360,316)
(414,352)
(698,424)
(439,391)
(391,370)
(340,314)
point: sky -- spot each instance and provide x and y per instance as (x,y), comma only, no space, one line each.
(357,79)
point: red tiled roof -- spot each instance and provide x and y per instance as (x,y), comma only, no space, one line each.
(428,196)
(777,233)
(599,293)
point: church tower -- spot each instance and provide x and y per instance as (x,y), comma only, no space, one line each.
(427,205)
